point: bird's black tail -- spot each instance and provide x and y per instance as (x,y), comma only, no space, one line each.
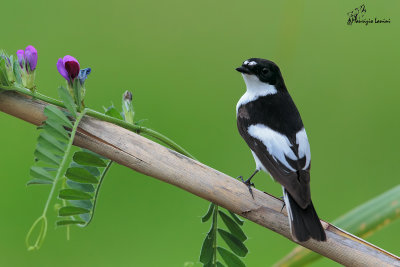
(304,223)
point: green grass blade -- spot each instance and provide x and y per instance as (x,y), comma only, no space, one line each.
(362,221)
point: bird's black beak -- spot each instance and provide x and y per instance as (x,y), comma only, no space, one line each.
(243,69)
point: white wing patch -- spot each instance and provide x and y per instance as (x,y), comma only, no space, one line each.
(277,144)
(304,146)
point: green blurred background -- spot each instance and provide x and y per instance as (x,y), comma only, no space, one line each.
(178,58)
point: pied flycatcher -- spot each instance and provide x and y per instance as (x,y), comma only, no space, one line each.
(270,123)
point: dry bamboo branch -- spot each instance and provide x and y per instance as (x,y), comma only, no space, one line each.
(152,159)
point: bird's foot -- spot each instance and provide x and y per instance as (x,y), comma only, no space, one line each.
(248,183)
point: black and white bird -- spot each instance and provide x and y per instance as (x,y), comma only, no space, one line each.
(270,123)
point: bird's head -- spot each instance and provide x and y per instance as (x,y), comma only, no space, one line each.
(258,70)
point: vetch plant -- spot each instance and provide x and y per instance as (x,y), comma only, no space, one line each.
(27,60)
(76,175)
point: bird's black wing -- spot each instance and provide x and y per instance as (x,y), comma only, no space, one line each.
(287,171)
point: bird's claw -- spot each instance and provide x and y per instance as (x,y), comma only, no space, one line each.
(249,185)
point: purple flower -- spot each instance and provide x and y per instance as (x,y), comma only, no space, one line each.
(31,57)
(28,58)
(68,67)
(21,57)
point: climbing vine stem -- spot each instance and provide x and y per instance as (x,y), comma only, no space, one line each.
(90,112)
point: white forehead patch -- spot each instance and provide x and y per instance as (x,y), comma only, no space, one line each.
(249,63)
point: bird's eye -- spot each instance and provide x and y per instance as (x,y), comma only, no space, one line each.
(265,71)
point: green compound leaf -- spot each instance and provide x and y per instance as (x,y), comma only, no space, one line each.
(220,264)
(236,218)
(207,216)
(207,248)
(81,179)
(38,181)
(230,259)
(41,173)
(67,100)
(80,175)
(71,210)
(46,151)
(57,115)
(73,194)
(68,222)
(233,227)
(88,159)
(234,243)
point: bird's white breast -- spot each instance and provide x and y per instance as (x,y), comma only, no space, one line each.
(254,89)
